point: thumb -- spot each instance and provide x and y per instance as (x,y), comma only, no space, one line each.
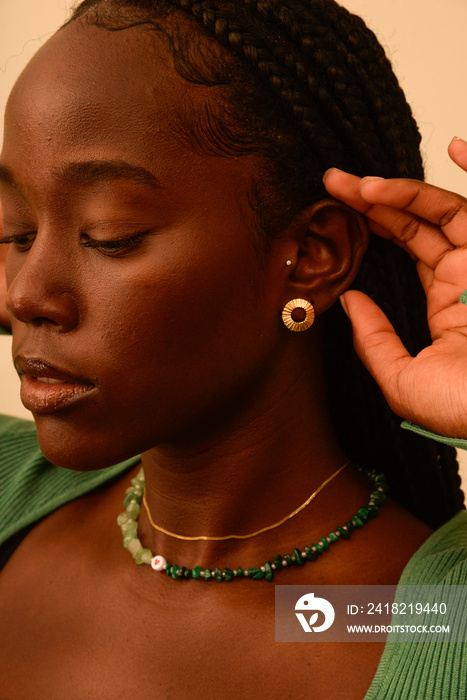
(380,349)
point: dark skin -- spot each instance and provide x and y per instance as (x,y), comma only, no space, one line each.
(192,367)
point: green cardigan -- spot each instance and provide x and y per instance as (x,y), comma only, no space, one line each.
(31,488)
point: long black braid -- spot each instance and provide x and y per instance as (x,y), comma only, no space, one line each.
(308,87)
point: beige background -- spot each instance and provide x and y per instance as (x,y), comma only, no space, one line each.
(425,41)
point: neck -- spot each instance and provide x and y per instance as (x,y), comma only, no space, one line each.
(246,476)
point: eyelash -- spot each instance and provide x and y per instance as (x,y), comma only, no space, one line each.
(107,247)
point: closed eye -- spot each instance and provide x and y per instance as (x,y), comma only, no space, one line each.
(21,242)
(111,247)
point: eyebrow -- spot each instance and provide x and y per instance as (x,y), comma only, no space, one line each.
(89,172)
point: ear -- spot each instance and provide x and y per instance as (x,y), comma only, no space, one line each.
(329,241)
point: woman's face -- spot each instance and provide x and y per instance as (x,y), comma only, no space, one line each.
(141,309)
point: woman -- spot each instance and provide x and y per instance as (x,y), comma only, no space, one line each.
(161,185)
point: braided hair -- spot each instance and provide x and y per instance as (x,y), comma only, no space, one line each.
(306,85)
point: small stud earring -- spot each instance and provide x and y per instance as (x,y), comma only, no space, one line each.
(288,263)
(304,308)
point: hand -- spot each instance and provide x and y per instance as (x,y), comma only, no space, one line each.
(4,315)
(431,225)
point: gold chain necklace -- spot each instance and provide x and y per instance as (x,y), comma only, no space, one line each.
(252,534)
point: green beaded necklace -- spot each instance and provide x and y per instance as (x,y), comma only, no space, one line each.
(128,522)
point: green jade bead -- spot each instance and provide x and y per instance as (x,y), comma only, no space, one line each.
(324,542)
(333,537)
(144,556)
(125,518)
(277,561)
(133,510)
(240,573)
(288,560)
(218,574)
(196,572)
(207,574)
(129,498)
(134,546)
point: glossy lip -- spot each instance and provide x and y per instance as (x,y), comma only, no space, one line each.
(42,397)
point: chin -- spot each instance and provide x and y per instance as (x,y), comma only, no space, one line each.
(65,445)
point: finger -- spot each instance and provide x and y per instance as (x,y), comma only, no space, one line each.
(345,187)
(457,150)
(377,344)
(444,209)
(420,239)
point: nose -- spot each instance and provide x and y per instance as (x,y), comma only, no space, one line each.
(40,291)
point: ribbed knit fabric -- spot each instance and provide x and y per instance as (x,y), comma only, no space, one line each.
(31,488)
(429,670)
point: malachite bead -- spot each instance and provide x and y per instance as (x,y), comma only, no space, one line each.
(207,574)
(288,560)
(345,534)
(277,561)
(168,568)
(310,554)
(333,537)
(357,522)
(139,483)
(229,574)
(377,497)
(218,574)
(373,511)
(362,513)
(324,542)
(255,574)
(174,571)
(319,547)
(297,555)
(349,525)
(144,556)
(240,573)
(184,572)
(196,572)
(268,571)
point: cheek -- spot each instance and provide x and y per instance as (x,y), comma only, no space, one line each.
(180,340)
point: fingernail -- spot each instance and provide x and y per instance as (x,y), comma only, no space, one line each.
(330,170)
(458,138)
(370,178)
(344,305)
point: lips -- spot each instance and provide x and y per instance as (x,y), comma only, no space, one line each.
(48,389)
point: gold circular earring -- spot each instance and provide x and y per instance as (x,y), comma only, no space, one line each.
(304,307)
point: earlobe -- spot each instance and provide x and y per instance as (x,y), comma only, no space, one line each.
(331,240)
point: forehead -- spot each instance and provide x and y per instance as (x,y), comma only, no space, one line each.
(90,86)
